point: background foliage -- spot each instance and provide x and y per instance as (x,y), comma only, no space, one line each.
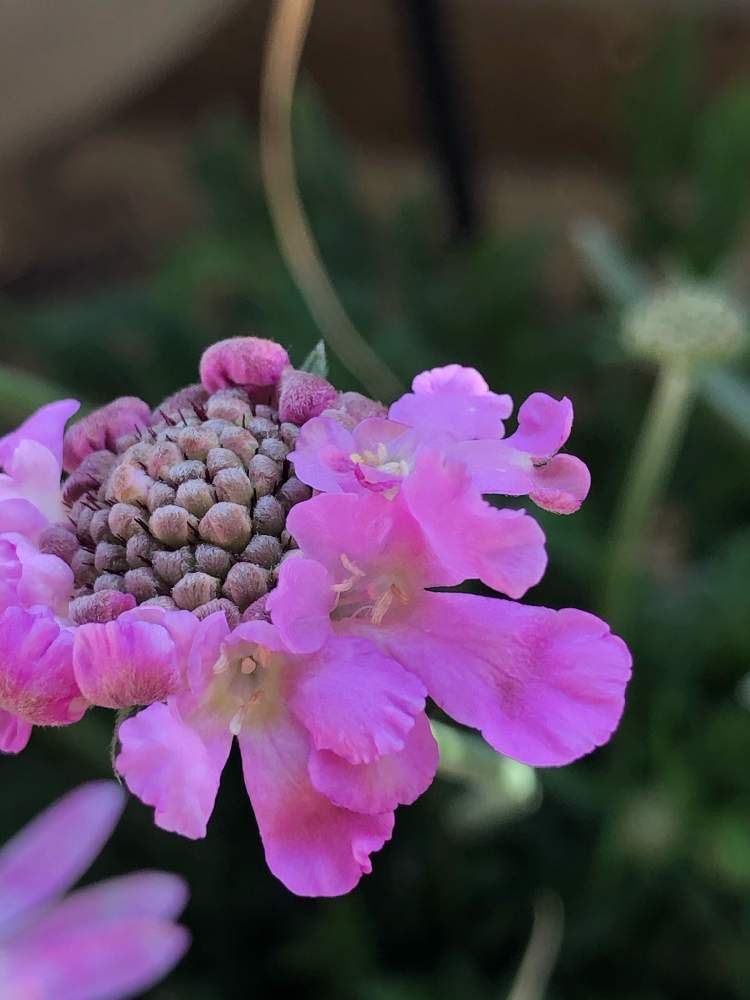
(647,843)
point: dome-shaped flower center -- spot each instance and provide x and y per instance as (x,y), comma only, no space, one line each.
(189,513)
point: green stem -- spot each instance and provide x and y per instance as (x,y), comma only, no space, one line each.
(649,468)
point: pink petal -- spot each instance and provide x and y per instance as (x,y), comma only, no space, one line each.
(33,475)
(109,962)
(172,766)
(55,849)
(460,415)
(384,784)
(503,548)
(14,733)
(321,456)
(126,662)
(46,426)
(36,578)
(496,467)
(369,533)
(250,362)
(542,686)
(144,894)
(355,701)
(311,845)
(19,515)
(303,396)
(451,378)
(561,485)
(301,604)
(100,430)
(36,669)
(544,425)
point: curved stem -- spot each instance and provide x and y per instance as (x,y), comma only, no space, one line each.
(289,23)
(650,465)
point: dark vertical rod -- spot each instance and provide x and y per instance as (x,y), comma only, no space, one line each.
(440,93)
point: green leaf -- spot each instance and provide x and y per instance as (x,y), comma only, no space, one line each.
(316,362)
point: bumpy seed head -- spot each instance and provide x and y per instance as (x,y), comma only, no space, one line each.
(685,324)
(188,512)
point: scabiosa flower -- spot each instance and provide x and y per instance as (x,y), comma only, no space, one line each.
(452,409)
(104,942)
(185,568)
(331,743)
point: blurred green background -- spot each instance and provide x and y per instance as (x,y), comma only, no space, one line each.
(638,856)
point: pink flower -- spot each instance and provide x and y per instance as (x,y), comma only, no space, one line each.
(331,743)
(451,409)
(183,566)
(107,941)
(542,686)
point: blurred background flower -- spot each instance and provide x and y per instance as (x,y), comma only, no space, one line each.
(105,942)
(499,185)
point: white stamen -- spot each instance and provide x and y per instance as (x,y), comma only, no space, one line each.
(235,724)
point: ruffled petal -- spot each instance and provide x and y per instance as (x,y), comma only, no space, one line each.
(561,485)
(314,847)
(542,686)
(172,766)
(55,849)
(126,662)
(355,701)
(503,548)
(37,681)
(544,425)
(384,784)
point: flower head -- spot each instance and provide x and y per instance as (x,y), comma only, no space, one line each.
(106,941)
(183,567)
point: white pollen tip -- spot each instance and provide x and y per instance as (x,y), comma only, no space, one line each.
(235,725)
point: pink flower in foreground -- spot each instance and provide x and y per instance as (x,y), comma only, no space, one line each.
(331,743)
(105,942)
(451,409)
(181,567)
(542,686)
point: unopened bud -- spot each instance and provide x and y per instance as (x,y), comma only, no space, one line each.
(268,516)
(264,474)
(234,486)
(222,458)
(195,589)
(685,324)
(56,540)
(264,550)
(245,583)
(126,520)
(231,611)
(196,442)
(227,525)
(212,560)
(104,606)
(110,558)
(172,525)
(196,496)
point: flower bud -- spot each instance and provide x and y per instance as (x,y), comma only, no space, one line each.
(245,583)
(685,324)
(103,606)
(171,525)
(227,525)
(245,361)
(234,486)
(196,496)
(195,589)
(303,396)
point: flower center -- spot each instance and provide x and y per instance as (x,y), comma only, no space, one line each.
(190,513)
(358,596)
(245,688)
(380,460)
